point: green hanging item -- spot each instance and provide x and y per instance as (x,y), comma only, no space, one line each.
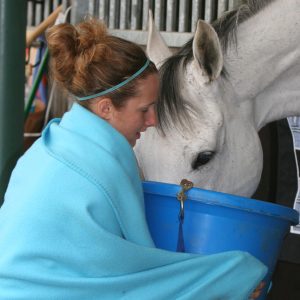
(36,83)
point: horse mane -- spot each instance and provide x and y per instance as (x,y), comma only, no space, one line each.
(172,108)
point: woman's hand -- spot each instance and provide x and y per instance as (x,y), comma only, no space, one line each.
(257,291)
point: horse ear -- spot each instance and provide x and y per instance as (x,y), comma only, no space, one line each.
(157,49)
(207,50)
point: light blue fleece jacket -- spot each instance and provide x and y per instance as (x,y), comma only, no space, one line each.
(73,227)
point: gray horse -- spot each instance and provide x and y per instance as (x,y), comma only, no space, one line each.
(218,91)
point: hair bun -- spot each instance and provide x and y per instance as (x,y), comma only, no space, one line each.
(61,39)
(85,58)
(89,34)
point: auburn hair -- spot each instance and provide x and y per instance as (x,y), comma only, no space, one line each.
(86,60)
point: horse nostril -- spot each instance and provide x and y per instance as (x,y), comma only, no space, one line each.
(202,158)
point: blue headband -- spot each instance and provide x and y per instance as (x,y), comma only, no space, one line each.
(141,70)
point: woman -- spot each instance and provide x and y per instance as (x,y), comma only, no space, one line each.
(73,223)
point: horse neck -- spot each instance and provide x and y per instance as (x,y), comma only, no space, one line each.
(267,49)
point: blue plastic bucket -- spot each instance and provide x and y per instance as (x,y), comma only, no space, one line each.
(216,222)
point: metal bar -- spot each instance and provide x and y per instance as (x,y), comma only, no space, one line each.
(38,13)
(125,14)
(114,14)
(30,14)
(47,8)
(91,8)
(12,58)
(210,10)
(146,7)
(222,7)
(136,13)
(170,15)
(197,13)
(101,10)
(183,16)
(171,20)
(79,10)
(159,14)
(133,15)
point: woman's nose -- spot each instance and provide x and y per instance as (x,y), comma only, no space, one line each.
(151,118)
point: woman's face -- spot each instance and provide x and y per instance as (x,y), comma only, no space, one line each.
(138,112)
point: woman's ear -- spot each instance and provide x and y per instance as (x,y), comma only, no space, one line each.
(105,108)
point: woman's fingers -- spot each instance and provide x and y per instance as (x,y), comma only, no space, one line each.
(258,290)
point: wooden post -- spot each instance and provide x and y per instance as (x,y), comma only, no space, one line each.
(41,28)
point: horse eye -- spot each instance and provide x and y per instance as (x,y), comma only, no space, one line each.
(202,158)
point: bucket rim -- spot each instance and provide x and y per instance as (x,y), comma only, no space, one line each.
(225,200)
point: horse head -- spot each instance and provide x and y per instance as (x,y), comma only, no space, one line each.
(210,112)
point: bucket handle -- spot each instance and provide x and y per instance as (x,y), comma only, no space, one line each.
(181,196)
